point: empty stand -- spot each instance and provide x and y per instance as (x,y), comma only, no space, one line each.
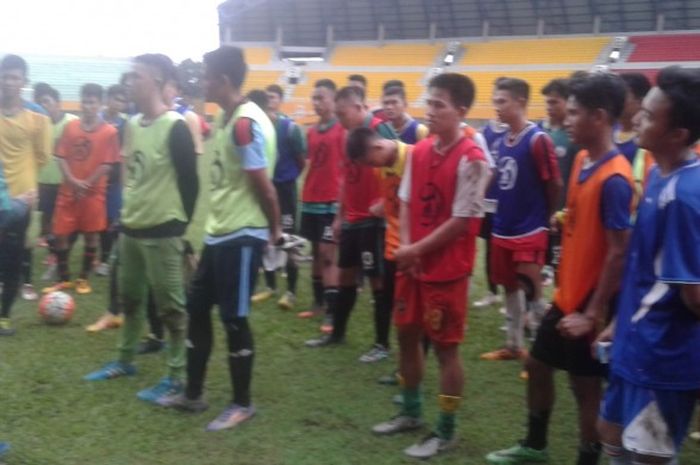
(387,55)
(534,51)
(258,55)
(681,47)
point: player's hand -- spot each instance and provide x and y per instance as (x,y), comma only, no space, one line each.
(605,335)
(554,224)
(377,210)
(30,198)
(407,259)
(276,238)
(576,326)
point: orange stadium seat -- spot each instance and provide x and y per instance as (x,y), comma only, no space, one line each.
(258,55)
(386,55)
(534,51)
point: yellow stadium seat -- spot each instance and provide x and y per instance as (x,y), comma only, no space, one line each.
(258,55)
(534,51)
(386,55)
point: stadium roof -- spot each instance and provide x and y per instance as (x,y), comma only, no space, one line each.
(305,22)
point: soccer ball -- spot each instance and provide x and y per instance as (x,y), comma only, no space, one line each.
(56,308)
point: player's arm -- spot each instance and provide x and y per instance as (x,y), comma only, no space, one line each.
(195,126)
(298,146)
(548,168)
(250,142)
(184,159)
(422,132)
(615,206)
(42,141)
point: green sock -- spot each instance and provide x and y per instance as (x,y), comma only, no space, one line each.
(446,425)
(412,402)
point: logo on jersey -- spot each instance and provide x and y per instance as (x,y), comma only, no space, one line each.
(135,169)
(507,173)
(560,150)
(216,172)
(432,203)
(81,149)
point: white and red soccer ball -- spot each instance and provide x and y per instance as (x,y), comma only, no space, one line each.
(56,308)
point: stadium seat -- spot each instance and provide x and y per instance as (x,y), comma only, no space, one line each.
(387,55)
(258,55)
(680,47)
(534,51)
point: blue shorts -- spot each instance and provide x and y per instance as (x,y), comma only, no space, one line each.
(654,421)
(114,203)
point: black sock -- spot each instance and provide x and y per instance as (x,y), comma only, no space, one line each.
(382,318)
(240,359)
(538,422)
(317,286)
(62,264)
(51,241)
(270,280)
(346,301)
(589,454)
(88,259)
(200,338)
(330,296)
(292,276)
(105,245)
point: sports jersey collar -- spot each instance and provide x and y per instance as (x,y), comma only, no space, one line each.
(445,150)
(518,136)
(588,170)
(325,127)
(368,120)
(689,163)
(409,121)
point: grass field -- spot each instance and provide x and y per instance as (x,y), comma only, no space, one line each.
(315,407)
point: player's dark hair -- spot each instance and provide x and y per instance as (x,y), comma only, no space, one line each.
(393,83)
(91,90)
(14,62)
(497,80)
(274,88)
(116,89)
(559,87)
(398,91)
(358,142)
(600,90)
(358,78)
(228,61)
(326,83)
(349,92)
(460,87)
(637,83)
(682,87)
(41,89)
(258,97)
(518,88)
(165,66)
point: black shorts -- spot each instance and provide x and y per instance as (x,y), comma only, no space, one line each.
(47,198)
(317,227)
(225,277)
(362,245)
(287,197)
(556,351)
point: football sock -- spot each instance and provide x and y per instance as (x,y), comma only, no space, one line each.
(199,343)
(330,296)
(412,402)
(292,275)
(537,425)
(588,454)
(317,287)
(446,421)
(240,359)
(270,280)
(62,264)
(346,301)
(382,318)
(88,259)
(515,319)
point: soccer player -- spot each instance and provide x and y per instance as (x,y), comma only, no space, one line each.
(50,176)
(358,80)
(366,147)
(655,359)
(160,192)
(407,129)
(441,194)
(357,227)
(291,152)
(320,197)
(527,191)
(625,136)
(244,216)
(87,151)
(595,233)
(25,146)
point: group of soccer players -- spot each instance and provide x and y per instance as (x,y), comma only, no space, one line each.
(397,202)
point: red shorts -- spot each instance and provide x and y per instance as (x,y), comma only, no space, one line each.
(86,215)
(440,309)
(507,253)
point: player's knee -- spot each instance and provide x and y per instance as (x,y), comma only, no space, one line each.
(238,334)
(527,285)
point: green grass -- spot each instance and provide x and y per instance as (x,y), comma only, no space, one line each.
(315,407)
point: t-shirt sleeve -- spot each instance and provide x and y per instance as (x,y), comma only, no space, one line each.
(615,203)
(405,186)
(250,142)
(545,157)
(472,179)
(298,139)
(43,140)
(112,155)
(422,132)
(680,262)
(62,144)
(385,131)
(480,140)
